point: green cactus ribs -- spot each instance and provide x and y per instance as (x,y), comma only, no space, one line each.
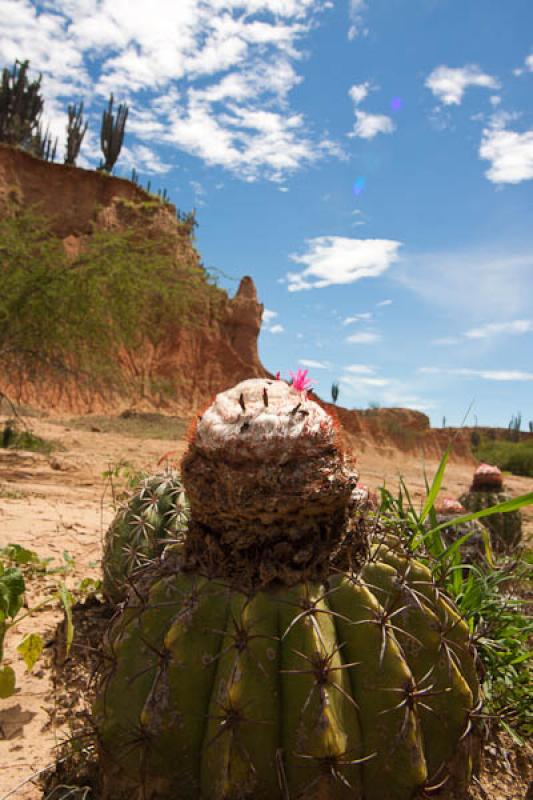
(269,487)
(273,661)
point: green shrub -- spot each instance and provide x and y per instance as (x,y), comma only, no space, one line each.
(515,457)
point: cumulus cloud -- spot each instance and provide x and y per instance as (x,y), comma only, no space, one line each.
(510,154)
(449,84)
(330,260)
(356,11)
(359,91)
(367,125)
(213,79)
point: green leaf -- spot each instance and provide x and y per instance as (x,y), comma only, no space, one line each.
(19,554)
(435,486)
(509,505)
(7,682)
(30,649)
(66,601)
(11,590)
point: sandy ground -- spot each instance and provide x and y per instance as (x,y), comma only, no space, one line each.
(62,503)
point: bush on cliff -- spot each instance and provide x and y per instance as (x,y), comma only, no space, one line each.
(75,315)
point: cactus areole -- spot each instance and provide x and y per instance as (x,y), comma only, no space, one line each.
(258,668)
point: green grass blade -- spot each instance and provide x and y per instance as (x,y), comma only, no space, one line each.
(435,486)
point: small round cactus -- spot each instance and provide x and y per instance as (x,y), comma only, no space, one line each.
(154,516)
(261,669)
(487,490)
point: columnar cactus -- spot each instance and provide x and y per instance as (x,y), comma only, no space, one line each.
(487,490)
(260,668)
(154,516)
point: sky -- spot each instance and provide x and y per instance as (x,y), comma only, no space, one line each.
(368,162)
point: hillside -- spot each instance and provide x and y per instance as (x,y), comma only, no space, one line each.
(216,347)
(194,357)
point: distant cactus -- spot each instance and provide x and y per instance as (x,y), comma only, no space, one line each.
(76,130)
(134,176)
(487,490)
(43,145)
(21,105)
(335,391)
(112,134)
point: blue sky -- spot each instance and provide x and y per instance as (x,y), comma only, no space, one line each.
(368,163)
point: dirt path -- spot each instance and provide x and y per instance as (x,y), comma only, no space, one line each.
(62,503)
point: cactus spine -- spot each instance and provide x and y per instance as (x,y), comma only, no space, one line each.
(260,668)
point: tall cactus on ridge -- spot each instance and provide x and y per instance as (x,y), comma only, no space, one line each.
(21,105)
(76,130)
(112,134)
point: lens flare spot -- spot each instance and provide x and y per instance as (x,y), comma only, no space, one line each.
(396,104)
(359,185)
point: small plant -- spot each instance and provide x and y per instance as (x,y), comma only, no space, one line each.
(496,618)
(16,439)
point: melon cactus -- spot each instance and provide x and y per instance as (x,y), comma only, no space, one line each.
(152,517)
(487,490)
(474,548)
(269,663)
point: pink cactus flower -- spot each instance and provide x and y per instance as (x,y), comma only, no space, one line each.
(278,375)
(300,381)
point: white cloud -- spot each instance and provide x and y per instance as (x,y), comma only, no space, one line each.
(510,154)
(475,284)
(360,369)
(369,125)
(365,337)
(213,78)
(516,326)
(359,91)
(268,317)
(529,62)
(384,303)
(365,315)
(308,362)
(388,391)
(332,260)
(356,10)
(485,374)
(449,84)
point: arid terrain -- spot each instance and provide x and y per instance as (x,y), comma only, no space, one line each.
(63,502)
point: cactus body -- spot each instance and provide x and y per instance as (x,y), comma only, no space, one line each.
(154,515)
(361,688)
(487,490)
(257,667)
